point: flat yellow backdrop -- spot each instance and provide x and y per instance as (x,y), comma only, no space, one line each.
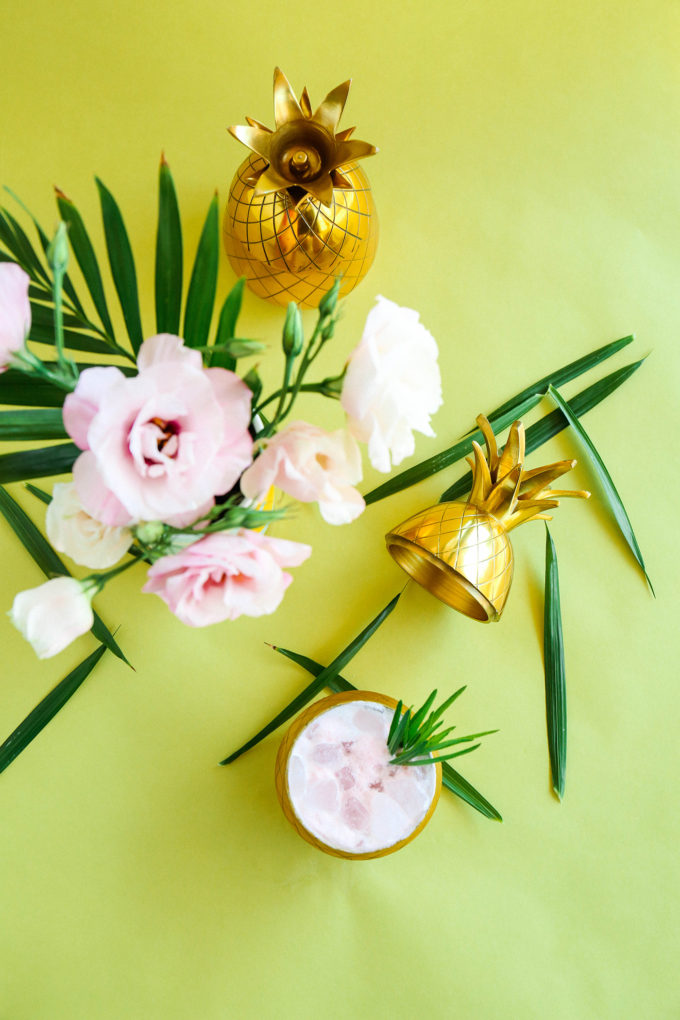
(527,186)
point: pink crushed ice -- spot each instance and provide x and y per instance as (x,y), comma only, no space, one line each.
(342,787)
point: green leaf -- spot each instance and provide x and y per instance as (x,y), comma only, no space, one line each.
(203,283)
(122,264)
(451,779)
(318,684)
(14,238)
(34,424)
(36,720)
(47,559)
(86,259)
(42,332)
(613,499)
(40,494)
(555,678)
(226,327)
(168,255)
(564,375)
(500,418)
(18,388)
(442,460)
(41,463)
(553,423)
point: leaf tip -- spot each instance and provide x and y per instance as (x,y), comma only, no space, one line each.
(61,195)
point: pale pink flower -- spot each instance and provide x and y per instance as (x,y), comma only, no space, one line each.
(73,531)
(226,575)
(54,614)
(162,444)
(15,311)
(392,385)
(310,465)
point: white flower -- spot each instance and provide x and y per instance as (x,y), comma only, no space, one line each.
(392,385)
(310,465)
(54,614)
(71,530)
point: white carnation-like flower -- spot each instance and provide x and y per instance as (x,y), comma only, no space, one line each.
(393,384)
(86,540)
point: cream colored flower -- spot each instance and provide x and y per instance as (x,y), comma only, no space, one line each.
(54,614)
(392,385)
(71,530)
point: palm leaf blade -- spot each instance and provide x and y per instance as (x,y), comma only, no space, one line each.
(122,264)
(36,720)
(43,423)
(203,283)
(168,255)
(86,259)
(555,677)
(226,327)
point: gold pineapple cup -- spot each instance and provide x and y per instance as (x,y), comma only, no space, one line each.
(287,798)
(300,211)
(461,551)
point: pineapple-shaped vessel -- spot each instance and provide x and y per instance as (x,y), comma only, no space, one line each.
(300,210)
(461,551)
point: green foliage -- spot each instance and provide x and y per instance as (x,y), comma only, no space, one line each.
(203,283)
(122,264)
(169,266)
(413,738)
(555,681)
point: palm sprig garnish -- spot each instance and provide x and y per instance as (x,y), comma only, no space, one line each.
(413,738)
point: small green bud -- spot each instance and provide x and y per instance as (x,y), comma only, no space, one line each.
(150,532)
(254,383)
(329,301)
(57,250)
(293,333)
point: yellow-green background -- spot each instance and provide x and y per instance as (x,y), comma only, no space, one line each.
(527,185)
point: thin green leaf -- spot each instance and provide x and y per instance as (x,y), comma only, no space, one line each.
(122,264)
(168,255)
(451,779)
(555,677)
(18,388)
(15,239)
(36,720)
(553,423)
(444,757)
(40,494)
(613,499)
(85,257)
(226,327)
(45,423)
(318,683)
(429,467)
(43,333)
(47,559)
(41,463)
(566,374)
(423,710)
(395,720)
(203,283)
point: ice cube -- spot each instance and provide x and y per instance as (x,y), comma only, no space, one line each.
(369,720)
(297,778)
(323,796)
(389,823)
(355,814)
(346,777)
(324,753)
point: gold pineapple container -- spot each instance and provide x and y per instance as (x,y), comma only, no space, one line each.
(461,551)
(300,211)
(292,794)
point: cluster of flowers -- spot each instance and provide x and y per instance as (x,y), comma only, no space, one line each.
(177,459)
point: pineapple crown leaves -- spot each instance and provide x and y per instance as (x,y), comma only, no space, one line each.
(305,150)
(415,738)
(501,486)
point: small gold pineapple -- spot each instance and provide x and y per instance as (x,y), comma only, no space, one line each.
(300,211)
(461,551)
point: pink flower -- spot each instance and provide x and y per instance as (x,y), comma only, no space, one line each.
(15,311)
(87,541)
(312,466)
(392,385)
(226,575)
(162,444)
(54,614)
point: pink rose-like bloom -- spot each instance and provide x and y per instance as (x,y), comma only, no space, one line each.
(392,385)
(15,311)
(310,465)
(226,575)
(54,614)
(162,444)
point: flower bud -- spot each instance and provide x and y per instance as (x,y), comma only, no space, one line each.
(54,614)
(329,301)
(293,333)
(150,532)
(57,250)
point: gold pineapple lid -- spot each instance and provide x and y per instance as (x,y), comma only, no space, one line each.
(305,150)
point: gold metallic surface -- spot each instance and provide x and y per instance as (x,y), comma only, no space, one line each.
(281,774)
(300,211)
(460,551)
